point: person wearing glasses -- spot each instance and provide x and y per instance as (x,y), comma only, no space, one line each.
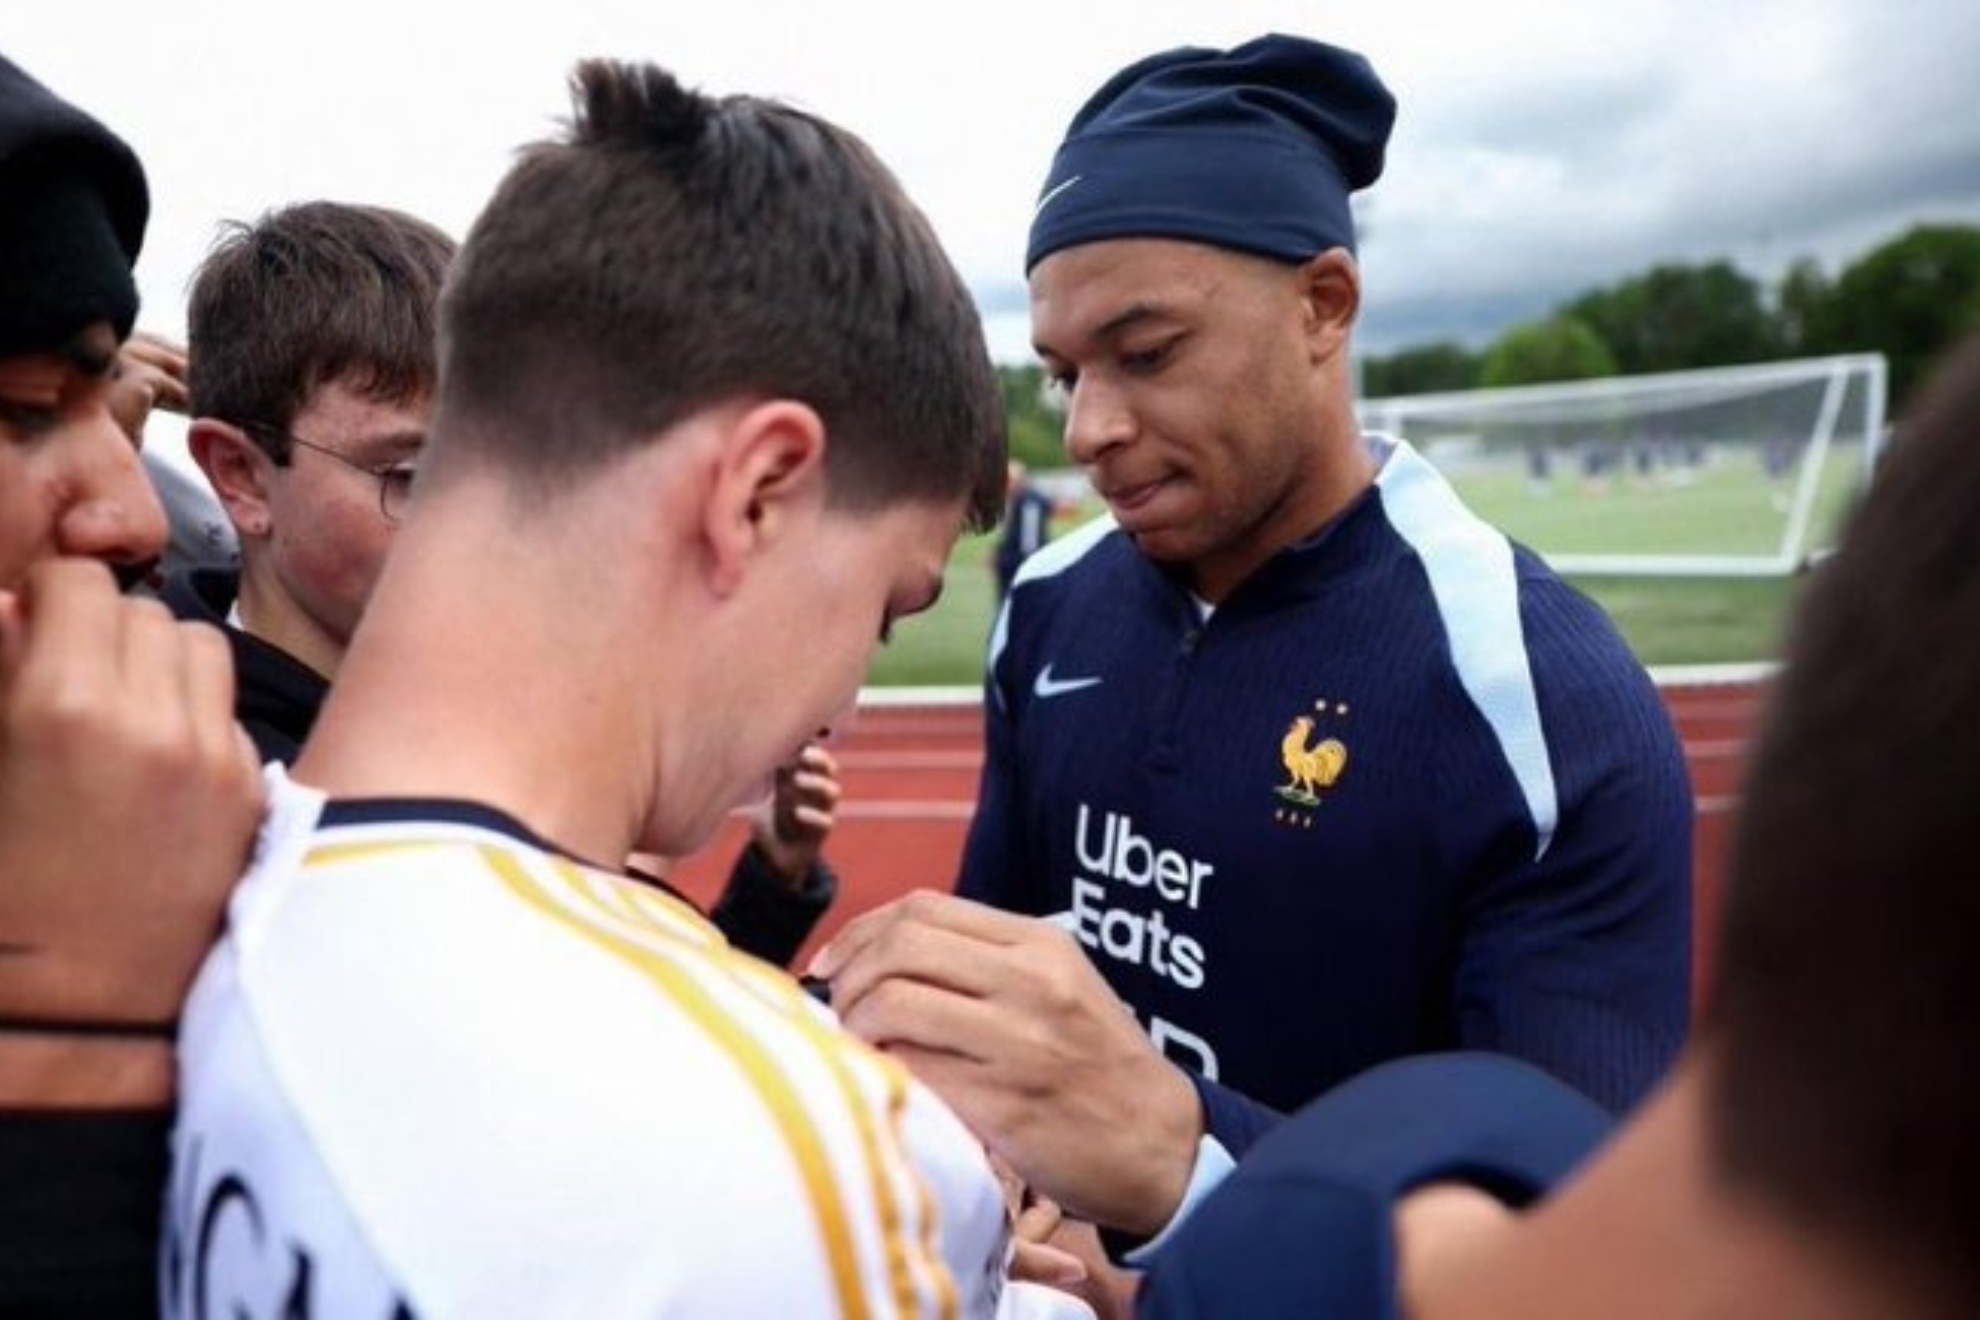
(311,382)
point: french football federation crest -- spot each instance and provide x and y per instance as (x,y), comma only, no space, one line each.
(1313,764)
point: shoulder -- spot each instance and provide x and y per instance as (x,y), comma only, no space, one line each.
(1303,1226)
(1081,550)
(1578,653)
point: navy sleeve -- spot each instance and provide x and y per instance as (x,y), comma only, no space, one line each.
(1235,1121)
(760,914)
(993,855)
(1304,1226)
(1579,960)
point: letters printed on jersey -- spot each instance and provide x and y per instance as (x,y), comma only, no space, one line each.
(1293,802)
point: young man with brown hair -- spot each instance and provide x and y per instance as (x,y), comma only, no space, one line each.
(312,380)
(705,375)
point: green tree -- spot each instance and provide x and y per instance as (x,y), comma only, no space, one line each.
(1427,369)
(1910,300)
(1678,317)
(1562,347)
(1036,427)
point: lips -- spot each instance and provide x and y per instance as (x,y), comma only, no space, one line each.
(1126,497)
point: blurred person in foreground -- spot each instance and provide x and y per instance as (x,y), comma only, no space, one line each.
(127,795)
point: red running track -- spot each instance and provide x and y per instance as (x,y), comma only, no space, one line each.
(910,772)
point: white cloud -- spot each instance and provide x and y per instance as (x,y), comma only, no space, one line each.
(1543,146)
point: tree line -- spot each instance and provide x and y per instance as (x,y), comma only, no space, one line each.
(1909,299)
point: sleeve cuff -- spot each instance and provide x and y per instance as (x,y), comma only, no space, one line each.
(1213,1165)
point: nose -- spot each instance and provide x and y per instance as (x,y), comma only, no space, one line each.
(1097,420)
(113,513)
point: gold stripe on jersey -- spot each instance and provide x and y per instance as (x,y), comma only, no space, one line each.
(670,918)
(779,989)
(924,1204)
(650,908)
(330,854)
(772,1087)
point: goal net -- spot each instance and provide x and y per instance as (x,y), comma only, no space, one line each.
(1724,472)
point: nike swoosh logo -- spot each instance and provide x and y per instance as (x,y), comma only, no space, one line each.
(1046,200)
(1045,687)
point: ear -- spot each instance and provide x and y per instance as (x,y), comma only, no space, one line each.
(1330,297)
(238,471)
(770,467)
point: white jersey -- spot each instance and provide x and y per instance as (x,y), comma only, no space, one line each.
(437,1069)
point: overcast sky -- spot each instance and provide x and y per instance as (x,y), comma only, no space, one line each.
(1543,147)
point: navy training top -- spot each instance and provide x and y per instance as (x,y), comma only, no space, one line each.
(1405,791)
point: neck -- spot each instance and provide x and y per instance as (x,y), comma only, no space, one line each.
(268,613)
(1342,470)
(1648,1231)
(486,672)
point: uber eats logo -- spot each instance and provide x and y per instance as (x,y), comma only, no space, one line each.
(1129,894)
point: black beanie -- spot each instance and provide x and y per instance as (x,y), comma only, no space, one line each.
(73,205)
(1255,148)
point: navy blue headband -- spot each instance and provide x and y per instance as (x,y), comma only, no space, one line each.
(1255,149)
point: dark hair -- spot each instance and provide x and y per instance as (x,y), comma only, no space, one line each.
(676,251)
(311,294)
(1849,977)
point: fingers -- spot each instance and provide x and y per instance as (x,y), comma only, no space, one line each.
(1035,1262)
(814,788)
(1037,1220)
(812,820)
(151,373)
(923,907)
(817,760)
(207,688)
(158,355)
(66,640)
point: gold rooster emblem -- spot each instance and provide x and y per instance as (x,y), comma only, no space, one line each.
(1312,769)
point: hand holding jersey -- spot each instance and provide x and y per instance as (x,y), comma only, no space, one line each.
(1088,1113)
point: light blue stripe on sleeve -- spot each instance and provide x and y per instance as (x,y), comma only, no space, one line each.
(1049,560)
(1470,566)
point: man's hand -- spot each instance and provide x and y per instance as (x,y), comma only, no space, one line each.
(128,799)
(790,829)
(151,373)
(1007,1020)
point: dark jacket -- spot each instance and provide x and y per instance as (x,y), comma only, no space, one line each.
(276,696)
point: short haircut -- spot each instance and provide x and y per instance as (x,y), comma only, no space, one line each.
(1849,974)
(310,295)
(675,251)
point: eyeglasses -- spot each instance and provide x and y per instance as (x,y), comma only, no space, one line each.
(395,479)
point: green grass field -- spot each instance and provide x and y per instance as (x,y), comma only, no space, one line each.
(1726,508)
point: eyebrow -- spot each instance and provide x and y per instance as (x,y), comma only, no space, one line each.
(395,444)
(1133,314)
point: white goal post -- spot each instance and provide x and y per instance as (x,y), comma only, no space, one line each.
(1737,471)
